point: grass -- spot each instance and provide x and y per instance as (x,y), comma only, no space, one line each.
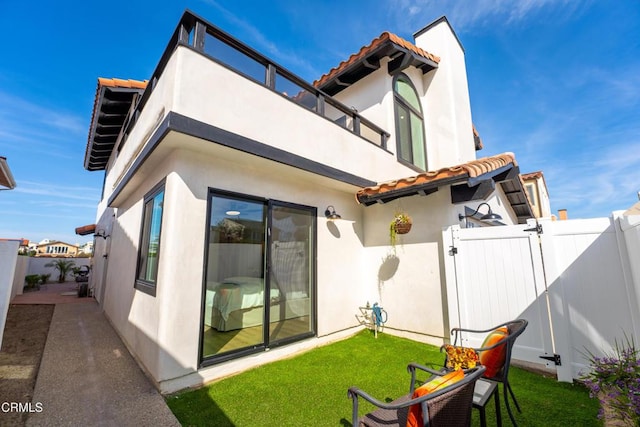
(311,389)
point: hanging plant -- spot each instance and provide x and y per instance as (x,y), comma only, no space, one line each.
(400,224)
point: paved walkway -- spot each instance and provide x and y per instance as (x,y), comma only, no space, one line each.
(87,376)
(52,293)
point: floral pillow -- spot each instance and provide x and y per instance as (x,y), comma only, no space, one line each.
(460,357)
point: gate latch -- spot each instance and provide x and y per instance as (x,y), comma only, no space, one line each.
(537,229)
(453,250)
(555,359)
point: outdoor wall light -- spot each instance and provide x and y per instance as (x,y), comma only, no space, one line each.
(101,233)
(490,216)
(331,214)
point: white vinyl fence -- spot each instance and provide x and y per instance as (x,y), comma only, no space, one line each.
(577,282)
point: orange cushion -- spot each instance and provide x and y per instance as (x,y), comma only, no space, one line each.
(414,419)
(494,359)
(460,357)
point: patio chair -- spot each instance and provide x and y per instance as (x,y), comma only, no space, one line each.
(437,402)
(495,355)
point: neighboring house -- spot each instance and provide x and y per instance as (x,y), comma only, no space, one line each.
(536,188)
(56,249)
(6,178)
(634,209)
(222,174)
(86,248)
(23,244)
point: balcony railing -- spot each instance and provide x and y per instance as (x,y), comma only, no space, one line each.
(203,37)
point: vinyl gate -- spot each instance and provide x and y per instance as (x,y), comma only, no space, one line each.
(570,279)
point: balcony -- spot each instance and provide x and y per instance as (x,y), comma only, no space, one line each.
(220,47)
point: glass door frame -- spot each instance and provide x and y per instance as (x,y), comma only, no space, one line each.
(267,257)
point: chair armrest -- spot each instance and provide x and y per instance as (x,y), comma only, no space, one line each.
(354,392)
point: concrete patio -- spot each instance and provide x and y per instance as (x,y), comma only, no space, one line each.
(87,376)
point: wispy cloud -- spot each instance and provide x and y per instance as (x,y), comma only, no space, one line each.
(59,192)
(288,58)
(26,127)
(465,15)
(13,107)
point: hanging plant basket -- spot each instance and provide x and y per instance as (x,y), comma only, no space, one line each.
(400,224)
(402,227)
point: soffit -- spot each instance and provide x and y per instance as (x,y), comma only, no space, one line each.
(498,168)
(402,53)
(113,100)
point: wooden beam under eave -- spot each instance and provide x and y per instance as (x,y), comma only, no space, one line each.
(399,64)
(463,193)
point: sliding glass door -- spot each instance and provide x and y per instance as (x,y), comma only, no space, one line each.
(259,275)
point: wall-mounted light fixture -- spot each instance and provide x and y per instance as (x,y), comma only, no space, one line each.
(101,233)
(490,216)
(331,214)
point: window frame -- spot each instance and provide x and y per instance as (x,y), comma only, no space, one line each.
(400,101)
(143,285)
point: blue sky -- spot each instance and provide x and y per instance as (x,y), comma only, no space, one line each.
(555,82)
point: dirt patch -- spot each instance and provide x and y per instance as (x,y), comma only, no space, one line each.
(25,335)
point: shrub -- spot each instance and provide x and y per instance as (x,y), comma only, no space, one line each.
(615,380)
(32,281)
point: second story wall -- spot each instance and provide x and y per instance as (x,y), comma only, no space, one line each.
(447,97)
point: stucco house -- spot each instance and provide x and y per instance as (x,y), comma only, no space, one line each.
(55,249)
(218,244)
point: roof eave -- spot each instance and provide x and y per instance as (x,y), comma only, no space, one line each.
(6,178)
(370,62)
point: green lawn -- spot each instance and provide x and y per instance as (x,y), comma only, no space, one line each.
(311,389)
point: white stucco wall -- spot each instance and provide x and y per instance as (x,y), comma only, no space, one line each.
(163,331)
(448,121)
(241,106)
(8,257)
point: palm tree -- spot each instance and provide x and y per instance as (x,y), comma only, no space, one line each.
(62,266)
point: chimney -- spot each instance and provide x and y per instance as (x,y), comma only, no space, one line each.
(562,214)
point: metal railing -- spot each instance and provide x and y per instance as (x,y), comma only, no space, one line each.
(197,34)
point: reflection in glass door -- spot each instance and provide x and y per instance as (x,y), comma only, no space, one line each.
(234,288)
(260,254)
(291,272)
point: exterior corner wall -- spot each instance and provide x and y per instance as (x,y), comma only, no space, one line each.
(22,264)
(8,259)
(134,314)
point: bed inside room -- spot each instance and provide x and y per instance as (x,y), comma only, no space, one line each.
(237,300)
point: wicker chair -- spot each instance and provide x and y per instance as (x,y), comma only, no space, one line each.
(449,406)
(515,328)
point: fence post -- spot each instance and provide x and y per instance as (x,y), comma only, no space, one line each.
(558,309)
(628,238)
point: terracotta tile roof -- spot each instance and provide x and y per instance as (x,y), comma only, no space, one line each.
(470,169)
(122,83)
(86,229)
(531,175)
(385,37)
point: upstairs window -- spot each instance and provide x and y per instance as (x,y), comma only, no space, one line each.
(150,241)
(409,123)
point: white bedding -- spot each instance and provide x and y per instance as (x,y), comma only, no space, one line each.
(236,293)
(239,293)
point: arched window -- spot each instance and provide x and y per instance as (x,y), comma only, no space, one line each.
(409,123)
